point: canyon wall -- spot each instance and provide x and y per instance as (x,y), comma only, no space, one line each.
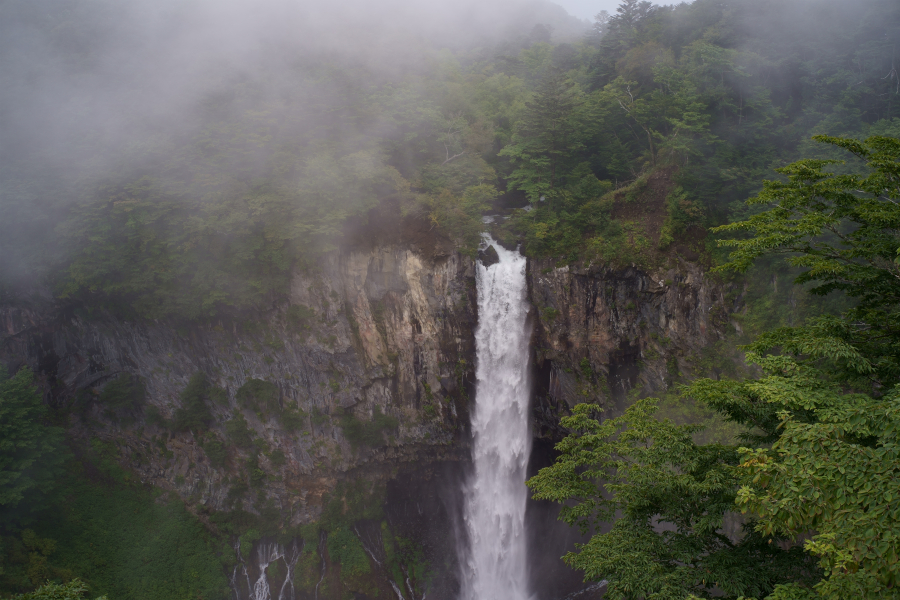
(603,332)
(384,333)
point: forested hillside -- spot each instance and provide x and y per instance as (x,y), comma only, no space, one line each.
(178,163)
(206,200)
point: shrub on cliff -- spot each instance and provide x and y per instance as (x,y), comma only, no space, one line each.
(367,433)
(194,413)
(31,450)
(72,590)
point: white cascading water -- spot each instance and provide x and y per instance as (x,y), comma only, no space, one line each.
(266,554)
(494,568)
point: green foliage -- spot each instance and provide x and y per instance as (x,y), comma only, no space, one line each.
(545,140)
(299,318)
(256,474)
(72,590)
(668,498)
(345,549)
(292,418)
(194,413)
(318,417)
(124,393)
(352,501)
(823,416)
(260,396)
(32,452)
(239,432)
(26,561)
(277,457)
(832,477)
(826,404)
(216,451)
(840,230)
(681,213)
(154,417)
(121,538)
(406,560)
(148,250)
(213,218)
(246,542)
(368,433)
(585,368)
(460,216)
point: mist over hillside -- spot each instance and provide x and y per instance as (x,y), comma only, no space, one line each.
(91,90)
(111,71)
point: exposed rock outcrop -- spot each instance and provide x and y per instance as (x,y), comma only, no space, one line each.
(384,330)
(488,256)
(601,332)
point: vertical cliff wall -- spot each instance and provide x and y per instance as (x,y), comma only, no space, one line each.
(363,375)
(369,336)
(603,331)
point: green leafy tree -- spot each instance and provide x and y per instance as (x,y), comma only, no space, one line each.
(545,138)
(460,216)
(823,417)
(828,401)
(669,500)
(194,413)
(841,230)
(32,452)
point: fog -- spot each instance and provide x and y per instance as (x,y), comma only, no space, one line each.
(91,87)
(106,70)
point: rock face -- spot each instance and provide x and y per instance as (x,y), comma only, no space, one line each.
(388,329)
(385,330)
(488,256)
(602,332)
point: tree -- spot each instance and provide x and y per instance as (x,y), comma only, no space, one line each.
(828,401)
(72,590)
(823,420)
(669,500)
(194,413)
(843,231)
(544,139)
(32,453)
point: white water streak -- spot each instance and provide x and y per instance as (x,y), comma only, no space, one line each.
(291,560)
(266,554)
(495,568)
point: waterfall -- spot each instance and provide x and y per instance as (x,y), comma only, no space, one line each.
(494,567)
(266,554)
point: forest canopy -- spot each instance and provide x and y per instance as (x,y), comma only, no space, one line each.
(205,198)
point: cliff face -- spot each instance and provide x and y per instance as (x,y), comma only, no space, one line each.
(372,357)
(602,332)
(364,375)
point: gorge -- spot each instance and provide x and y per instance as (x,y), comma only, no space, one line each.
(391,331)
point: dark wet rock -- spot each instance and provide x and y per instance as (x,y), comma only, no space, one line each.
(371,329)
(488,256)
(602,332)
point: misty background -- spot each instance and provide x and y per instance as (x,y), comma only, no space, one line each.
(202,97)
(177,157)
